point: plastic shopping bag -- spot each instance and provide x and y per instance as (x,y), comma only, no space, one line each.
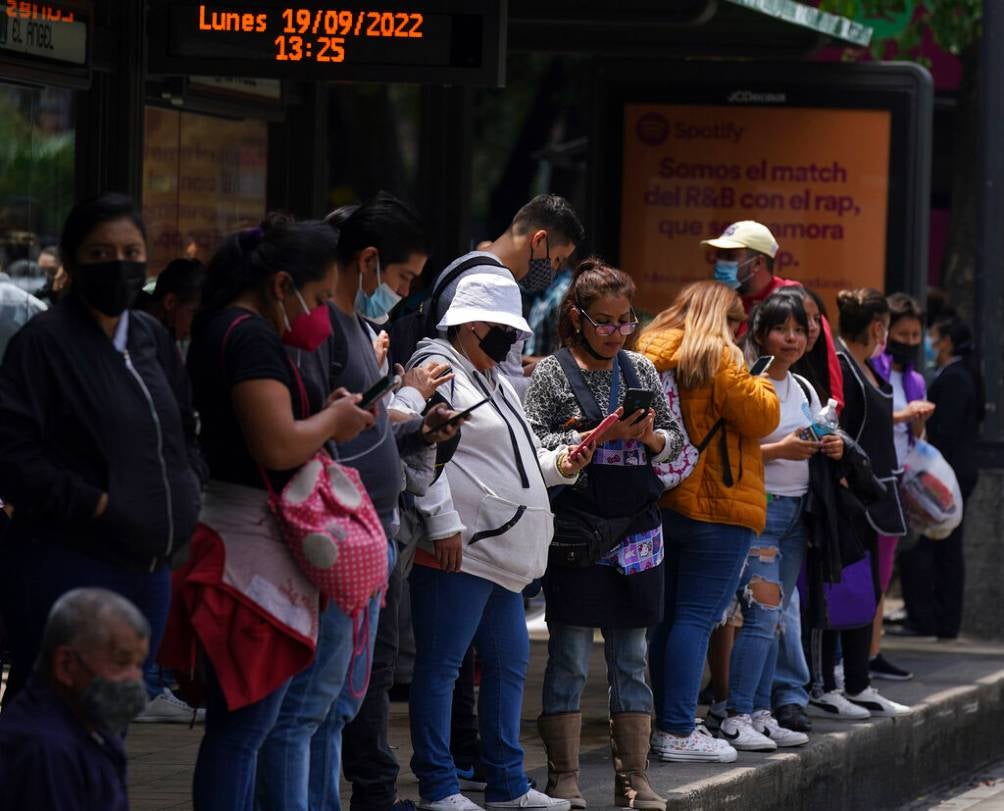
(930,492)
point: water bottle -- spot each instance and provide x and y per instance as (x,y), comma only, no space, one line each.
(827,421)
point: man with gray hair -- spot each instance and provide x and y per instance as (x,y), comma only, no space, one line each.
(61,738)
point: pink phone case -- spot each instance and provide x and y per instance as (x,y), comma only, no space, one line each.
(597,435)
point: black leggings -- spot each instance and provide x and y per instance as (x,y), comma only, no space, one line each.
(856,647)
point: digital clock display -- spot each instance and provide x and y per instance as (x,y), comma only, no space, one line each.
(440,41)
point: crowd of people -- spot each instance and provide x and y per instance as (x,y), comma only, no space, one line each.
(216,491)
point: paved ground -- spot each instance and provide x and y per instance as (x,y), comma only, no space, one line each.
(981,792)
(162,755)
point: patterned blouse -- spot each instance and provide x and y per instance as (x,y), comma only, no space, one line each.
(551,406)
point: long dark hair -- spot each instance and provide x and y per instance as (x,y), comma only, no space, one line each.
(248,259)
(814,365)
(965,347)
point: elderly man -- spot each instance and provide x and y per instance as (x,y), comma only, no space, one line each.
(61,738)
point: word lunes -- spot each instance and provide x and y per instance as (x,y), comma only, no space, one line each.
(315,34)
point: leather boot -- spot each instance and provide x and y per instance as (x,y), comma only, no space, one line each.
(629,744)
(561,735)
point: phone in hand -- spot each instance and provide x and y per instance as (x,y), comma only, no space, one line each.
(596,435)
(460,415)
(379,389)
(637,400)
(761,365)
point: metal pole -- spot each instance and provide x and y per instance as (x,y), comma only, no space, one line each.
(990,256)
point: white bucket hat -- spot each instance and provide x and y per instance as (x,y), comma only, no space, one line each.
(746,234)
(494,299)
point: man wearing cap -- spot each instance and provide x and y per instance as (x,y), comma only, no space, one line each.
(744,260)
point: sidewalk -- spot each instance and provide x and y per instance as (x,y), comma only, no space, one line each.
(958,696)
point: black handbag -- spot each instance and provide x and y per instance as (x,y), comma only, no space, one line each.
(582,538)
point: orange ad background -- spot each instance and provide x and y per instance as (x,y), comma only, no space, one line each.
(818,178)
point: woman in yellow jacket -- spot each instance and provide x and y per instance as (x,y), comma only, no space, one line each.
(712,517)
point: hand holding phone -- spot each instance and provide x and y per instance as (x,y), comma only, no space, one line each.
(378,390)
(596,435)
(761,365)
(462,415)
(637,400)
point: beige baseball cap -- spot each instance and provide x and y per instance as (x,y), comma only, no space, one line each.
(746,234)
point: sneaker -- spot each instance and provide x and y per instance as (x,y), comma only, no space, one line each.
(834,705)
(471,778)
(716,714)
(532,799)
(700,746)
(768,726)
(794,717)
(878,705)
(739,732)
(882,668)
(455,802)
(167,708)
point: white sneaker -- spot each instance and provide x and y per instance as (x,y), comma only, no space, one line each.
(878,705)
(834,705)
(532,799)
(700,746)
(167,708)
(767,725)
(455,802)
(738,731)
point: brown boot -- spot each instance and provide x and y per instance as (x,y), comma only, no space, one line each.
(561,735)
(629,743)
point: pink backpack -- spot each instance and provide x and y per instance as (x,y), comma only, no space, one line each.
(330,524)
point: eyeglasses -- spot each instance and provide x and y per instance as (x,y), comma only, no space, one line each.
(603,330)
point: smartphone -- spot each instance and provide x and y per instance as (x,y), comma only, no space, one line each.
(459,416)
(379,389)
(596,436)
(761,365)
(637,400)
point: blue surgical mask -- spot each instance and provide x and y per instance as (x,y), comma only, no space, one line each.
(377,305)
(727,272)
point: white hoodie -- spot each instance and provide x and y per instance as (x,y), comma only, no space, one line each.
(505,521)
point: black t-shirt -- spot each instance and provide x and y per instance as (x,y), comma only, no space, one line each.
(253,352)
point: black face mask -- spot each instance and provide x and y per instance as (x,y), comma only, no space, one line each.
(497,343)
(903,354)
(110,287)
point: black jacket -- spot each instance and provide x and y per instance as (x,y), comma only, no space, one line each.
(78,419)
(954,426)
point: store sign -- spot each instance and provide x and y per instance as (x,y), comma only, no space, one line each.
(43,30)
(818,178)
(435,41)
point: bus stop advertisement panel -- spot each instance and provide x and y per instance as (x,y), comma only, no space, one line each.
(837,167)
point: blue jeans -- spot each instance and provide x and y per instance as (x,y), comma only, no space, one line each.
(703,565)
(568,650)
(449,612)
(768,580)
(300,761)
(792,672)
(228,755)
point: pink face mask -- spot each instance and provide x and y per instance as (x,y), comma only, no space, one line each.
(309,329)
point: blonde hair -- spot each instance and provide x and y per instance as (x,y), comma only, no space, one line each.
(702,311)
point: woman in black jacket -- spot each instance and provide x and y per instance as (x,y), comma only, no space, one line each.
(933,572)
(97,435)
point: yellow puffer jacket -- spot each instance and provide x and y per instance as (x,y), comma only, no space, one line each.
(750,409)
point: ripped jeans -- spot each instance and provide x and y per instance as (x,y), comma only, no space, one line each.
(765,588)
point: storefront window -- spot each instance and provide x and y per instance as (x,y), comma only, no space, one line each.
(203,178)
(36,177)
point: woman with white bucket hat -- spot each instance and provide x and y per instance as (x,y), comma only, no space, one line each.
(487,526)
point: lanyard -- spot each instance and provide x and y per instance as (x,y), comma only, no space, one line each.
(615,384)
